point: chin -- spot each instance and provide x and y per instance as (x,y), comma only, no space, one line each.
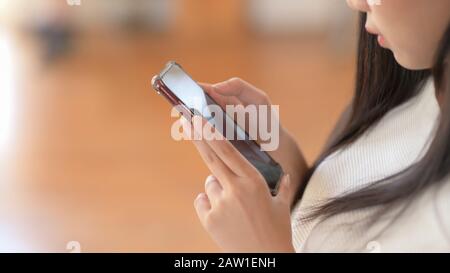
(411,63)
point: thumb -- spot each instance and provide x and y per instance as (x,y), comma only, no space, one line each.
(284,190)
(230,87)
(221,96)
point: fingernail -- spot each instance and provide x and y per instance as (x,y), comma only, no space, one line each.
(210,179)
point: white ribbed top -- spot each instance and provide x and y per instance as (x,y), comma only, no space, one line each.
(397,141)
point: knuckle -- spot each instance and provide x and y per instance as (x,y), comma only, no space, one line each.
(235,80)
(207,186)
(264,96)
(210,178)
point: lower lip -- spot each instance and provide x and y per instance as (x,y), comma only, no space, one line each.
(381,41)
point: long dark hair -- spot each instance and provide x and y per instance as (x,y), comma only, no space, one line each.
(381,85)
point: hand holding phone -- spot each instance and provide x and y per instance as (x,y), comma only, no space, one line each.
(180,90)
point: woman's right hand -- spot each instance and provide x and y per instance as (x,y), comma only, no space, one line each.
(238,92)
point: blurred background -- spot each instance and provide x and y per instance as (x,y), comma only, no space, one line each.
(85,148)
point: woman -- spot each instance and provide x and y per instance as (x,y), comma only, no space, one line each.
(382,181)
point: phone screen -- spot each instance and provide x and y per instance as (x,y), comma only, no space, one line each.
(176,82)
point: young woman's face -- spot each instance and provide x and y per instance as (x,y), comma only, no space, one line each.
(412,29)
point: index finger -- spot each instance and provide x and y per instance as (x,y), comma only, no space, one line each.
(225,151)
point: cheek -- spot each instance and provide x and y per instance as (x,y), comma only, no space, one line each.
(411,44)
(411,30)
(415,52)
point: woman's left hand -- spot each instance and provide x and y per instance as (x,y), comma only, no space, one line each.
(237,208)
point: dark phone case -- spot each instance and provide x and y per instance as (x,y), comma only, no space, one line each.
(262,161)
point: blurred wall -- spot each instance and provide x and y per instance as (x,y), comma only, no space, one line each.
(288,16)
(266,16)
(157,14)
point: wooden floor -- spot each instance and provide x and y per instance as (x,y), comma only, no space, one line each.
(89,157)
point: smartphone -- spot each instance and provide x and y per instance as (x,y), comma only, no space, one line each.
(181,90)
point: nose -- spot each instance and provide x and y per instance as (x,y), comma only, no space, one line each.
(359,5)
